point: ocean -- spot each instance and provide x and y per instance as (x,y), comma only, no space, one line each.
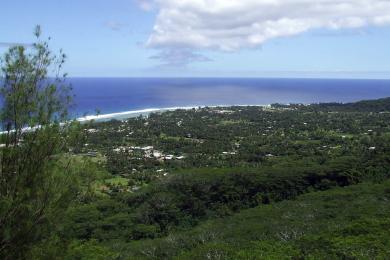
(113,95)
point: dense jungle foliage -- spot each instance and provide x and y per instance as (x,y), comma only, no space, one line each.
(297,181)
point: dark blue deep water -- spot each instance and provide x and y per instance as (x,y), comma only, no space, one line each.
(111,95)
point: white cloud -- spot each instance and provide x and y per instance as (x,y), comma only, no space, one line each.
(230,25)
(179,57)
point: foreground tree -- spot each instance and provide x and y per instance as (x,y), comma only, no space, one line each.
(35,183)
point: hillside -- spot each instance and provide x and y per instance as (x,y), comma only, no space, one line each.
(375,106)
(280,182)
(351,222)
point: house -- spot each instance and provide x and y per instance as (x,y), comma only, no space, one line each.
(92,154)
(91,131)
(228,153)
(157,154)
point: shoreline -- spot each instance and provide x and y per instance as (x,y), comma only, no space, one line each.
(134,113)
(129,114)
(145,112)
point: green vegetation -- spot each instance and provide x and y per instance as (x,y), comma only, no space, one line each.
(277,182)
(281,182)
(35,184)
(350,222)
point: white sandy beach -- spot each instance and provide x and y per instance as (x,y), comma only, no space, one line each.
(130,114)
(145,112)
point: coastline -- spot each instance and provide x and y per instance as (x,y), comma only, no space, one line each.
(135,113)
(130,114)
(145,112)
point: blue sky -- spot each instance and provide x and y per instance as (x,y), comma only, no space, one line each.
(201,38)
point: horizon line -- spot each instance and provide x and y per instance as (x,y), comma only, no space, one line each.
(227,77)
